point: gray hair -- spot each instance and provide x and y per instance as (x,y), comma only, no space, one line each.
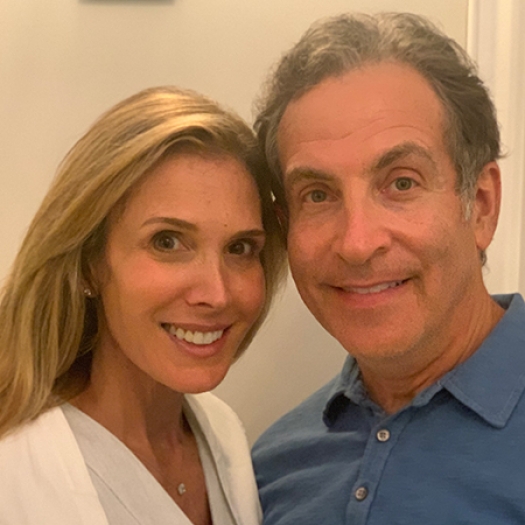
(334,46)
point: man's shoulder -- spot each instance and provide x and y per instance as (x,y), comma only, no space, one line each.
(304,420)
(296,457)
(514,306)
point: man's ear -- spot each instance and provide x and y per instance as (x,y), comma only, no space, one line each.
(486,205)
(281,211)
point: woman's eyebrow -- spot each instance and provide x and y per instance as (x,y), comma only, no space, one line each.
(250,233)
(172,221)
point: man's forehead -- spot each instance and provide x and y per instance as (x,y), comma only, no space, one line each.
(361,94)
(385,102)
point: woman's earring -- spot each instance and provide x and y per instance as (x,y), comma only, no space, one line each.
(88,292)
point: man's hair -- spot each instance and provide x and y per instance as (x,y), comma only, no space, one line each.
(49,328)
(334,46)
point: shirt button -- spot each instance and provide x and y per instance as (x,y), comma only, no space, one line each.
(383,435)
(361,493)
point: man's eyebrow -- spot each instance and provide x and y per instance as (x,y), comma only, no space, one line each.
(401,151)
(405,149)
(301,174)
(172,221)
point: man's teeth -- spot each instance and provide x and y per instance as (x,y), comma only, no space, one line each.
(197,338)
(374,289)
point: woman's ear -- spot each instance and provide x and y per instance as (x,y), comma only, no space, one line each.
(486,205)
(89,286)
(94,273)
(88,291)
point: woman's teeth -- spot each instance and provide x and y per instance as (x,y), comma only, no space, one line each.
(197,338)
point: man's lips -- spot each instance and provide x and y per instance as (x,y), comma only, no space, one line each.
(372,288)
(197,337)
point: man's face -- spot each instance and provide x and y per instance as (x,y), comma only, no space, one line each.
(379,245)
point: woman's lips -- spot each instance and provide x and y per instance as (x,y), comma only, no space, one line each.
(196,337)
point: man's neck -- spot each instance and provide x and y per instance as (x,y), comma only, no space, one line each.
(393,382)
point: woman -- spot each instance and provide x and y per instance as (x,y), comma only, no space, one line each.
(146,272)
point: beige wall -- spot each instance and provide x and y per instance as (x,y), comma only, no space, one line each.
(62,62)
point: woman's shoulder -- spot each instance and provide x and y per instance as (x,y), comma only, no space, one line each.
(229,447)
(220,424)
(211,410)
(42,429)
(38,448)
(44,478)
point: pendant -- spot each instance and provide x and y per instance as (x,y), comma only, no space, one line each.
(181,489)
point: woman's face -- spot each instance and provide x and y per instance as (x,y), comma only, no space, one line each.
(181,282)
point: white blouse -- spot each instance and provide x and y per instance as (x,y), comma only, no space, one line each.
(48,477)
(128,492)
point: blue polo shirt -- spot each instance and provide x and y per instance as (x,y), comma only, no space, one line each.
(454,455)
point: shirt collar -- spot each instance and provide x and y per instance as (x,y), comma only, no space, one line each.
(490,382)
(346,387)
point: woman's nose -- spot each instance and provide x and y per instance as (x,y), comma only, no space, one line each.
(209,284)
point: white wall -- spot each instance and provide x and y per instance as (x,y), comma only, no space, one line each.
(63,62)
(496,40)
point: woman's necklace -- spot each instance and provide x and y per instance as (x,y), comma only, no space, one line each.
(181,487)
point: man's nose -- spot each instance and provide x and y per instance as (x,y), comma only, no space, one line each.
(362,231)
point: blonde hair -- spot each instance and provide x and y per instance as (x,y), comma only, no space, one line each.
(49,329)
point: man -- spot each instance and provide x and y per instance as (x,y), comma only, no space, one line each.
(383,144)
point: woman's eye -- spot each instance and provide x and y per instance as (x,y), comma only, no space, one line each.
(166,241)
(317,196)
(403,184)
(241,248)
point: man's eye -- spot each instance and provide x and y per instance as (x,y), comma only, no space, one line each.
(317,196)
(403,184)
(166,241)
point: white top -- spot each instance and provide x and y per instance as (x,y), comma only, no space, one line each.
(128,492)
(44,478)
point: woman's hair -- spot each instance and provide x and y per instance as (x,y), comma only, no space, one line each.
(49,328)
